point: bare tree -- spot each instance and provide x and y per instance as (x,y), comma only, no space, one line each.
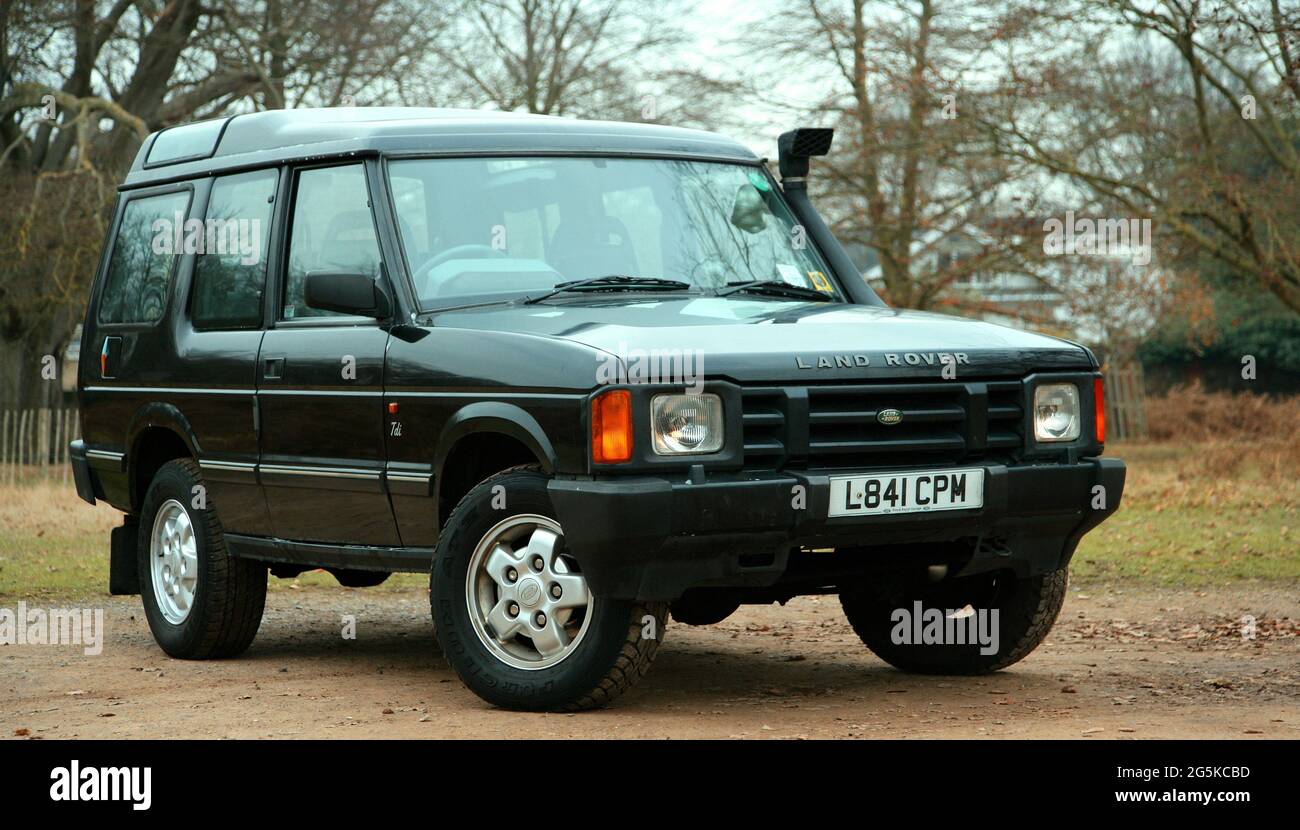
(83,82)
(1181,111)
(913,172)
(612,59)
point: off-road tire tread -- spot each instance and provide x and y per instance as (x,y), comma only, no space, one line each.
(234,588)
(633,660)
(1034,623)
(637,653)
(1040,619)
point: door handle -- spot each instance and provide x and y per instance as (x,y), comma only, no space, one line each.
(273,368)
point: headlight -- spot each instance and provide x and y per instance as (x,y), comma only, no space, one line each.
(686,424)
(1056,412)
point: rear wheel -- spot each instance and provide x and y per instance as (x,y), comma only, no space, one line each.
(1026,608)
(514,614)
(200,601)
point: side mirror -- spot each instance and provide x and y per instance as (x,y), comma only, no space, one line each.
(347,293)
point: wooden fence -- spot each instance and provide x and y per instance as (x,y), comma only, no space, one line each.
(35,442)
(1126,404)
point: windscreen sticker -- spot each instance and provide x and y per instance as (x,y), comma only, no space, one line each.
(761,184)
(820,282)
(791,275)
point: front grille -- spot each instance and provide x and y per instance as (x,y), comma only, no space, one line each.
(764,426)
(1006,416)
(835,426)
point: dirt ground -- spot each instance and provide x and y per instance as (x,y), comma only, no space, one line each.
(1120,664)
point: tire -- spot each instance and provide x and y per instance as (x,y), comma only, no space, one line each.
(1027,608)
(597,649)
(227,595)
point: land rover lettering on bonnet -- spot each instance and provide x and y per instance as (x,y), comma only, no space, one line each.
(577,373)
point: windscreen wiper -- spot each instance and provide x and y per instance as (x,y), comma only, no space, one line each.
(776,288)
(613,282)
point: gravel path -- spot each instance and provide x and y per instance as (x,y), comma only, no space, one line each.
(1121,663)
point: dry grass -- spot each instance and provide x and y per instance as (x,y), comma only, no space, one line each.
(1190,414)
(1213,497)
(52,542)
(1193,513)
(1210,474)
(1201,514)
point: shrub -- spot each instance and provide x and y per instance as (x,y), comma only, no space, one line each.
(1192,414)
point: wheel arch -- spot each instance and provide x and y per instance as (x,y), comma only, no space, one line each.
(158,433)
(481,439)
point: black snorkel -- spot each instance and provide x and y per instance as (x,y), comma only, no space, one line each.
(795,148)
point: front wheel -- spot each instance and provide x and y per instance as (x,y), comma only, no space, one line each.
(968,625)
(513,611)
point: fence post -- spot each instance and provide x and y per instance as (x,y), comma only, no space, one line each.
(1126,403)
(62,450)
(1142,409)
(22,444)
(4,447)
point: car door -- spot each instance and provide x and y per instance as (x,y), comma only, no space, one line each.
(320,375)
(128,332)
(217,341)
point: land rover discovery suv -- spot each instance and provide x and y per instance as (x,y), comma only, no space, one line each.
(584,375)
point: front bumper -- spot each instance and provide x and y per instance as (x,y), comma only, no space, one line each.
(652,538)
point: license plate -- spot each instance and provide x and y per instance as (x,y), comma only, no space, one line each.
(925,491)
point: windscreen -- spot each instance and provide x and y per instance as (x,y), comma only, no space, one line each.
(487,228)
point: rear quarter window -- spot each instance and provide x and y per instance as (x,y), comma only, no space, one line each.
(140,268)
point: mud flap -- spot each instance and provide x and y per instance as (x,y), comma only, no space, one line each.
(123,564)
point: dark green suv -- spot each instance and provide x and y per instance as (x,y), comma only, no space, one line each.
(584,375)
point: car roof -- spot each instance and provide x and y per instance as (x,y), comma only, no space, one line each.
(275,136)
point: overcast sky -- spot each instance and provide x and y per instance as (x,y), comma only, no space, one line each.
(717,28)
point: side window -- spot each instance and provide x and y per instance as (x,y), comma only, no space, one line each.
(140,269)
(230,275)
(332,231)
